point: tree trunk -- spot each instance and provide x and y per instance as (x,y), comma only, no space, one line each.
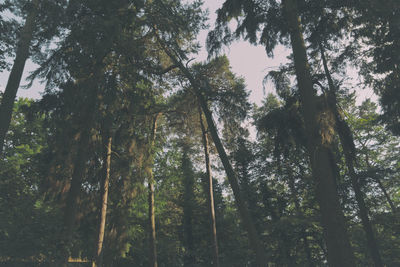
(210,193)
(81,157)
(347,141)
(152,223)
(22,54)
(340,253)
(248,223)
(73,197)
(152,218)
(98,261)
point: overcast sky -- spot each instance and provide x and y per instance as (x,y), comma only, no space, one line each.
(248,61)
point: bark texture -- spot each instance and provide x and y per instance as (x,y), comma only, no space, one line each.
(340,253)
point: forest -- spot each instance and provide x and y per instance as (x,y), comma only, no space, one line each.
(138,154)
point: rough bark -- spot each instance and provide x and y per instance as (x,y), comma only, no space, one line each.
(98,260)
(340,252)
(210,193)
(22,54)
(347,141)
(152,217)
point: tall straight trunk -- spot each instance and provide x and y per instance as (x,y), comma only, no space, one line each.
(246,218)
(210,193)
(98,260)
(152,216)
(152,223)
(347,141)
(255,242)
(340,253)
(188,205)
(14,79)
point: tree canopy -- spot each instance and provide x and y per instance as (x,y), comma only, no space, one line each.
(135,155)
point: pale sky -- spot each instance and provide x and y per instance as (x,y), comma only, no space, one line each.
(248,61)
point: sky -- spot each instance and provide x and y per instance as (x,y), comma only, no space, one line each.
(249,61)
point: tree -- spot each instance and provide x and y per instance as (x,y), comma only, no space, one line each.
(210,193)
(347,142)
(35,18)
(103,199)
(245,216)
(21,195)
(317,123)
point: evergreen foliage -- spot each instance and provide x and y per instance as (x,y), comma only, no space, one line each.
(134,156)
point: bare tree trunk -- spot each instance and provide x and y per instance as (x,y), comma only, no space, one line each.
(22,54)
(347,141)
(210,193)
(248,222)
(340,253)
(152,223)
(152,218)
(98,261)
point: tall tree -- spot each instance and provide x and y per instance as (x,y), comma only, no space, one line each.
(188,204)
(150,177)
(319,149)
(347,142)
(43,20)
(22,54)
(104,184)
(254,240)
(210,192)
(318,123)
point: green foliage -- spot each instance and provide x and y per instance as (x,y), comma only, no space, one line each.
(26,217)
(107,73)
